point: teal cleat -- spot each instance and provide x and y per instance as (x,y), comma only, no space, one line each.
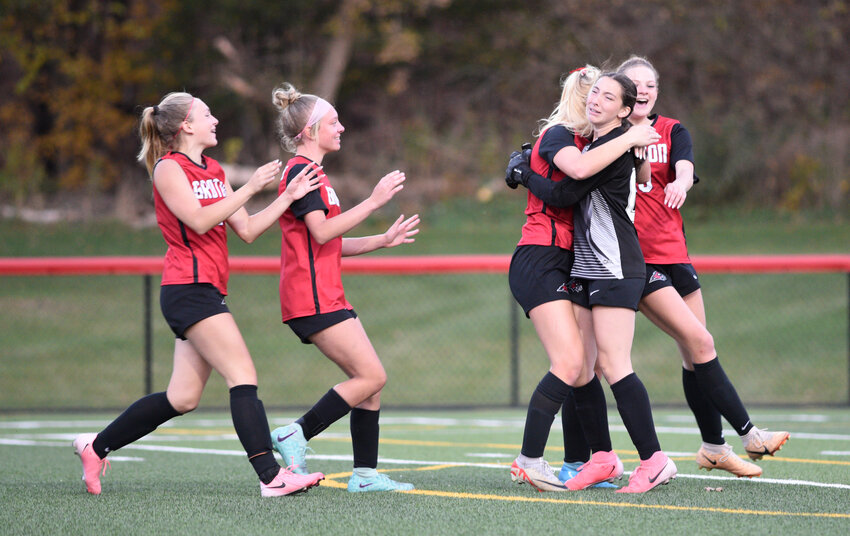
(289,442)
(375,482)
(570,470)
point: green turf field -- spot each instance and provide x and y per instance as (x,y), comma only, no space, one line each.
(76,342)
(190,477)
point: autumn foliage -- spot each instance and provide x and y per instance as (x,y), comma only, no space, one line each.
(444,89)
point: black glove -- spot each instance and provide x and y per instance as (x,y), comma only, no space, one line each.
(519,167)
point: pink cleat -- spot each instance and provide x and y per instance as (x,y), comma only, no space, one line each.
(657,470)
(602,467)
(93,466)
(309,480)
(287,483)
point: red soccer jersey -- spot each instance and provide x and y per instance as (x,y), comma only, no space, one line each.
(310,273)
(660,228)
(546,225)
(193,257)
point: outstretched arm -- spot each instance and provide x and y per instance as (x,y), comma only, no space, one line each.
(171,183)
(248,228)
(324,229)
(400,232)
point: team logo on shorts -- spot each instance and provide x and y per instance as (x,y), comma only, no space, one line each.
(656,276)
(571,287)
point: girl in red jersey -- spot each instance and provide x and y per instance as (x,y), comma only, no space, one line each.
(312,298)
(193,201)
(539,279)
(672,298)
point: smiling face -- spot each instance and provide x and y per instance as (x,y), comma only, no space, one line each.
(647,91)
(605,107)
(330,129)
(202,124)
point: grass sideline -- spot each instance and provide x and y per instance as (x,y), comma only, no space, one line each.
(443,339)
(767,328)
(190,477)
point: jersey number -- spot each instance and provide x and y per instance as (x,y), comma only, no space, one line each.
(655,154)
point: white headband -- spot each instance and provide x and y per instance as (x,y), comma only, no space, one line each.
(319,110)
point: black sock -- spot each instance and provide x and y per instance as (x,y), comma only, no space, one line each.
(364,437)
(545,403)
(715,384)
(593,410)
(706,415)
(252,427)
(576,448)
(329,409)
(636,412)
(141,418)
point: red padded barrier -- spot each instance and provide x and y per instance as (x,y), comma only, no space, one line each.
(424,264)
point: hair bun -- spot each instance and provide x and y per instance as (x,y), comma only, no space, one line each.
(285,95)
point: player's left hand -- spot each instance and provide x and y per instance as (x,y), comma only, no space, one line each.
(401,231)
(305,182)
(674,195)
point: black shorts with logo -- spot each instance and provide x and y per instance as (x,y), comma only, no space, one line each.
(307,326)
(186,305)
(539,274)
(682,277)
(624,293)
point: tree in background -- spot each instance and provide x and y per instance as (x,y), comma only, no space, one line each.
(442,88)
(72,74)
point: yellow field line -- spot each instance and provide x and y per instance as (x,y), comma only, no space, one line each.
(485,497)
(330,482)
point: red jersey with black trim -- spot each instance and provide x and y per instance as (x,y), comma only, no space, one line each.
(660,229)
(546,225)
(310,273)
(193,257)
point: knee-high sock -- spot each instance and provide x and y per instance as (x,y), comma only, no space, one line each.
(141,418)
(329,409)
(706,415)
(593,411)
(545,403)
(636,412)
(576,448)
(252,427)
(715,384)
(364,437)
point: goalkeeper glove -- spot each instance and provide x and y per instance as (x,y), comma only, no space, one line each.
(519,168)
